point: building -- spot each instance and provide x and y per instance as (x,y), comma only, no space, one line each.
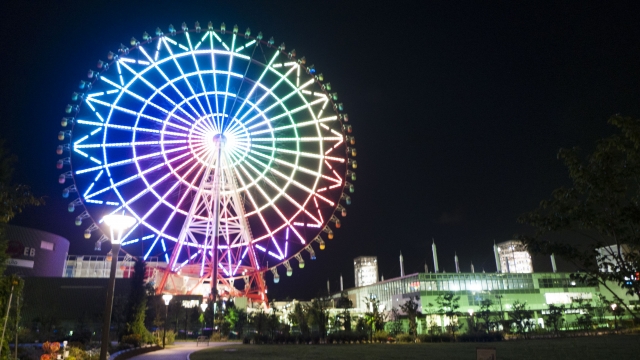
(538,290)
(366,270)
(608,258)
(513,257)
(34,252)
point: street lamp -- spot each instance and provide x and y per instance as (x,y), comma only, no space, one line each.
(615,315)
(203,306)
(117,223)
(472,323)
(167,299)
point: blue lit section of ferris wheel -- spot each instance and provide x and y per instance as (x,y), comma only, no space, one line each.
(252,136)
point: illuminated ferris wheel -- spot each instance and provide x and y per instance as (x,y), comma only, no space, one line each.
(232,154)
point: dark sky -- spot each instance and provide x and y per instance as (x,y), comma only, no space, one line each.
(458,107)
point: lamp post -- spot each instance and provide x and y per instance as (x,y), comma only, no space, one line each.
(472,323)
(203,306)
(117,223)
(14,282)
(167,299)
(615,315)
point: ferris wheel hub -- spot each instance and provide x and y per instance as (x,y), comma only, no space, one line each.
(219,139)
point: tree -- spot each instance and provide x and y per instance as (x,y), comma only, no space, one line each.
(410,307)
(396,322)
(601,210)
(555,317)
(484,314)
(585,311)
(345,304)
(137,306)
(236,318)
(431,324)
(318,314)
(448,306)
(298,317)
(374,318)
(522,317)
(13,199)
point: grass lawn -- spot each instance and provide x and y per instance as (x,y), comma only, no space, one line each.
(597,347)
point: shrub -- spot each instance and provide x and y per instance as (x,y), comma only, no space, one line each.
(170,337)
(133,339)
(216,336)
(381,336)
(405,338)
(481,337)
(423,338)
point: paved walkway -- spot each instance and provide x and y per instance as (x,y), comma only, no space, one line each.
(179,351)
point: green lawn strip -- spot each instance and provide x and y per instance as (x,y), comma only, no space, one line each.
(598,347)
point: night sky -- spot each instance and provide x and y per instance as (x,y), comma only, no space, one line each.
(458,108)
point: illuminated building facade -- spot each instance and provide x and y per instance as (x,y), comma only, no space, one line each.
(366,270)
(514,257)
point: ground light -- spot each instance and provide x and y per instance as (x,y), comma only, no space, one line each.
(117,225)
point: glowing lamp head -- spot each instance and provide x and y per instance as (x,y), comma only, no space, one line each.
(301,264)
(289,272)
(119,222)
(203,306)
(470,311)
(614,306)
(330,236)
(322,246)
(167,298)
(276,278)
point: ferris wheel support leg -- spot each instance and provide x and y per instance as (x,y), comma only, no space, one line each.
(216,221)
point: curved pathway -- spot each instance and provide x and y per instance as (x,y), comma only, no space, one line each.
(180,350)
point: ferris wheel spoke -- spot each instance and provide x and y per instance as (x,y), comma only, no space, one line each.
(269,91)
(253,202)
(286,112)
(130,161)
(140,114)
(131,143)
(182,197)
(156,91)
(132,177)
(130,128)
(213,66)
(294,182)
(295,125)
(224,105)
(298,167)
(280,214)
(257,82)
(250,61)
(282,191)
(172,82)
(296,139)
(195,62)
(186,80)
(299,153)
